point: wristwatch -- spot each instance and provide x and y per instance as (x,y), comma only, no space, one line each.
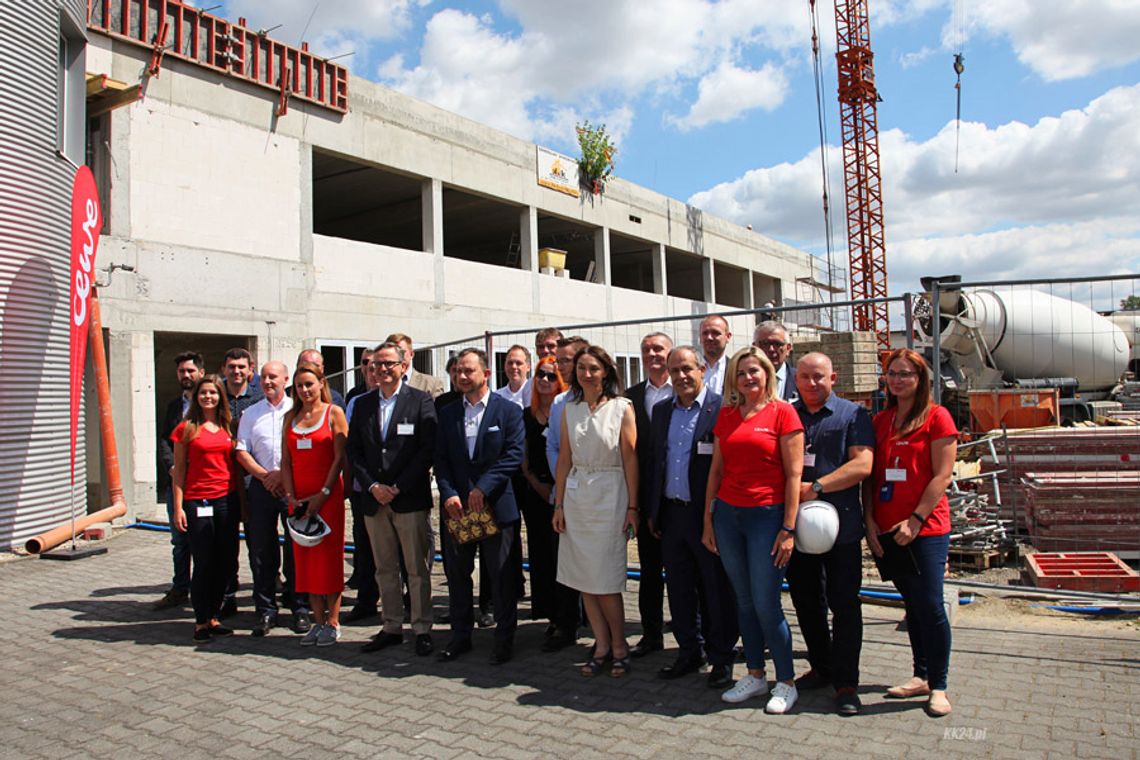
(326,491)
(817,487)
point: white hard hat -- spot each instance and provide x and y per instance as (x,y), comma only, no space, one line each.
(817,527)
(307,531)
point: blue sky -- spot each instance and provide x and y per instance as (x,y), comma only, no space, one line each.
(713,102)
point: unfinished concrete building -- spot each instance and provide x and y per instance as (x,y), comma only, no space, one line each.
(278,220)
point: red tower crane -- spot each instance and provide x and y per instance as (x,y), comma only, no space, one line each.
(862,182)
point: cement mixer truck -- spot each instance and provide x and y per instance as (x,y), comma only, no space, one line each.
(1024,338)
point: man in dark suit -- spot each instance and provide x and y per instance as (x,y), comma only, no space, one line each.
(700,595)
(190,368)
(771,337)
(645,396)
(479,446)
(391,444)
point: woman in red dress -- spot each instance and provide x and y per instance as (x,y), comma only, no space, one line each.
(311,463)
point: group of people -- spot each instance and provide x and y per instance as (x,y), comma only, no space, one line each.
(705,464)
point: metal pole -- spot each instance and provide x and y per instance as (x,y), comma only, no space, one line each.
(936,328)
(908,316)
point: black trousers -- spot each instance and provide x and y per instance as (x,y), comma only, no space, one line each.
(651,588)
(549,599)
(700,593)
(265,513)
(460,565)
(363,564)
(214,548)
(819,582)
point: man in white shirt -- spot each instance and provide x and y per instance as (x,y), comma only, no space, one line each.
(516,367)
(259,452)
(715,336)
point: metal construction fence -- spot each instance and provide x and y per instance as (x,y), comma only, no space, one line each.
(1034,371)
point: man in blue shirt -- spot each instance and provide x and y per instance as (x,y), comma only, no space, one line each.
(839,447)
(700,595)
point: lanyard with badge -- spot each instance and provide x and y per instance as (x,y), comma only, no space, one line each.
(893,473)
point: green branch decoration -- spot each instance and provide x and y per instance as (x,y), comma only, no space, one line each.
(597,161)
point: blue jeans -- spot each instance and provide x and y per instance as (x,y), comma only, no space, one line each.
(180,549)
(926,621)
(744,538)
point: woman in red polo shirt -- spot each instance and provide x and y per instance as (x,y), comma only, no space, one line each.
(916,443)
(750,516)
(205,500)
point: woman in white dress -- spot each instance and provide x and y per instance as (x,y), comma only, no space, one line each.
(596,502)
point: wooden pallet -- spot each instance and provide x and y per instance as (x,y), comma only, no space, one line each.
(967,558)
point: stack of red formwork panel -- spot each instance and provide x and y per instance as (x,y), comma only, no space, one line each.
(1103,451)
(1078,511)
(1081,571)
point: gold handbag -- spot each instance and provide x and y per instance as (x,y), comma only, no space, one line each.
(472,526)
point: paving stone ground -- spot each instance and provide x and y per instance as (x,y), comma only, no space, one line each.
(90,671)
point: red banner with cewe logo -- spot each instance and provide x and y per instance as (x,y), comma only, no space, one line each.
(86,221)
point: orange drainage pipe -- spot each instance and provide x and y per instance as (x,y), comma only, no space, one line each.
(118,508)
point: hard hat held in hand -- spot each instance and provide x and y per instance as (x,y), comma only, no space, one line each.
(307,531)
(817,526)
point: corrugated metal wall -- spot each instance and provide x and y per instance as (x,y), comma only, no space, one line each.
(35,190)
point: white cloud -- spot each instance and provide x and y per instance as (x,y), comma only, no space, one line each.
(1062,195)
(598,55)
(1064,40)
(728,91)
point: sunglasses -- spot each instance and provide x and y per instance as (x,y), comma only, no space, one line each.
(546,376)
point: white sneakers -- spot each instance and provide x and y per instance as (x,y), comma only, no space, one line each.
(746,688)
(783,695)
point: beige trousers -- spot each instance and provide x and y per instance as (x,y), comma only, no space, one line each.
(390,533)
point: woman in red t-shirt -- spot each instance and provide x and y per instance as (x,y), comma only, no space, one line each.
(915,446)
(205,501)
(750,516)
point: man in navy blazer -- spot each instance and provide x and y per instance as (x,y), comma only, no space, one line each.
(700,595)
(391,444)
(645,395)
(479,446)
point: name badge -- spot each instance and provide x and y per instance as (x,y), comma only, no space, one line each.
(705,448)
(405,428)
(205,510)
(304,443)
(896,475)
(809,459)
(571,482)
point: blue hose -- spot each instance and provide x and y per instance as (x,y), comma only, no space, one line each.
(1088,610)
(630,573)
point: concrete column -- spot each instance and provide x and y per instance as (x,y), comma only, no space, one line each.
(528,239)
(528,257)
(660,273)
(131,367)
(602,265)
(708,280)
(431,194)
(305,218)
(746,283)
